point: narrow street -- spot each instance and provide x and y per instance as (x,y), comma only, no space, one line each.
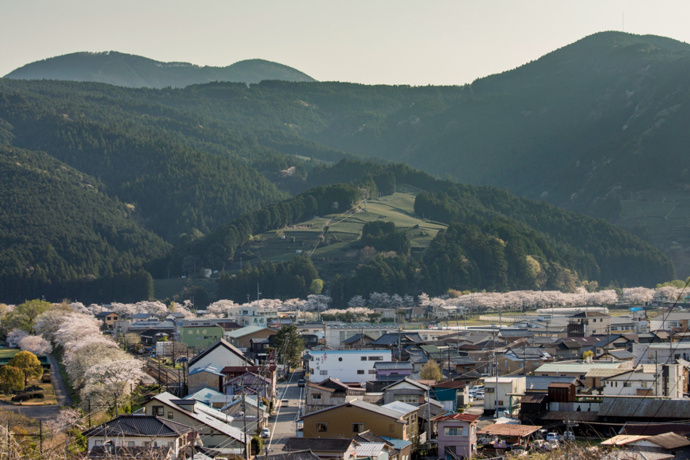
(283,425)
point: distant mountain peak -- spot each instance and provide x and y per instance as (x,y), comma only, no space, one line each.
(134,71)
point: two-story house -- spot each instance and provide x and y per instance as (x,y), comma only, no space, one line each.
(457,436)
(350,418)
(329,393)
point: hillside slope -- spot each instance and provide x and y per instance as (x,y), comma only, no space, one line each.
(139,72)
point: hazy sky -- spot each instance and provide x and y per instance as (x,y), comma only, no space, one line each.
(370,41)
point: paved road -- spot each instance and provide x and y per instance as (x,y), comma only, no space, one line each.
(284,424)
(58,384)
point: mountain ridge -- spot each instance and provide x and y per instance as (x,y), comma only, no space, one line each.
(129,70)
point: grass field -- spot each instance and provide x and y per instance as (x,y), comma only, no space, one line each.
(337,250)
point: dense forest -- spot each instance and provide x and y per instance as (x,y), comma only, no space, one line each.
(165,182)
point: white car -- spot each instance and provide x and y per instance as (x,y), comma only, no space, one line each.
(265,433)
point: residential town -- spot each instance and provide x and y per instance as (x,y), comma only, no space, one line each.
(263,382)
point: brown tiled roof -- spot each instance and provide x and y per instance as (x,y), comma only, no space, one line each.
(462,417)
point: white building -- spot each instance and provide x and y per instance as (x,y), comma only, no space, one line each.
(348,366)
(664,352)
(498,390)
(252,316)
(647,380)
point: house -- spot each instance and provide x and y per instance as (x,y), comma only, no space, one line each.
(573,347)
(329,393)
(675,321)
(109,318)
(392,371)
(210,397)
(210,423)
(615,342)
(242,338)
(517,358)
(457,436)
(221,354)
(294,455)
(397,448)
(335,334)
(616,355)
(250,383)
(138,436)
(453,394)
(350,418)
(666,445)
(651,353)
(199,337)
(647,380)
(357,341)
(498,390)
(462,365)
(589,323)
(406,390)
(205,377)
(350,366)
(323,448)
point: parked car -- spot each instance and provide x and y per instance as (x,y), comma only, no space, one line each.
(265,433)
(568,436)
(479,396)
(301,382)
(553,436)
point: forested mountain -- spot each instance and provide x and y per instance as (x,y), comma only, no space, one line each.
(139,72)
(60,234)
(597,126)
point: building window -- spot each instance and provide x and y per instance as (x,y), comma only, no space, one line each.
(489,390)
(360,371)
(452,431)
(357,427)
(375,358)
(372,371)
(170,415)
(323,372)
(98,443)
(321,427)
(130,443)
(316,396)
(626,384)
(363,358)
(500,403)
(158,410)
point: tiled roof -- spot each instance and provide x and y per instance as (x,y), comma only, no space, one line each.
(204,415)
(461,417)
(370,449)
(296,455)
(220,343)
(318,444)
(139,425)
(390,413)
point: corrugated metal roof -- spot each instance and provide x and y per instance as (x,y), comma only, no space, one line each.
(401,407)
(244,331)
(647,408)
(369,449)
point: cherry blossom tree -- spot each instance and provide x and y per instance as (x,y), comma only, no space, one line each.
(108,384)
(16,335)
(76,326)
(36,345)
(67,419)
(49,322)
(357,301)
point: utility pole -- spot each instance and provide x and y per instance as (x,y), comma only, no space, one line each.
(247,452)
(40,436)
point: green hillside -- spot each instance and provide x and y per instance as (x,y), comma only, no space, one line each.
(139,72)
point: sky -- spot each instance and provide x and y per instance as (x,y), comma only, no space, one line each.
(433,42)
